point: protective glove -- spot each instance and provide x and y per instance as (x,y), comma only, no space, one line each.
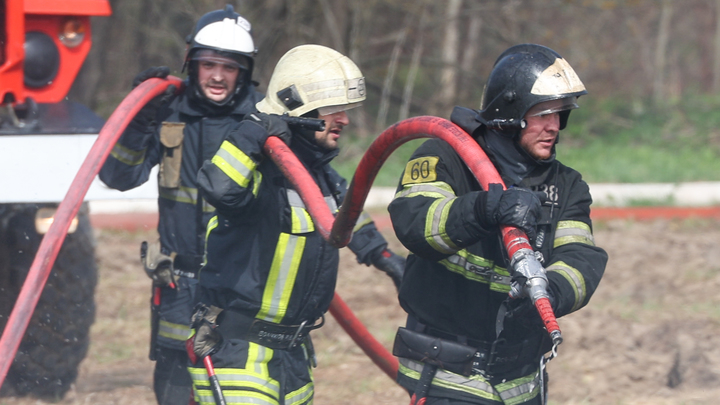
(206,339)
(146,116)
(158,266)
(524,310)
(515,206)
(392,264)
(273,125)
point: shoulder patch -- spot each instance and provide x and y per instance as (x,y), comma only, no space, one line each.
(420,170)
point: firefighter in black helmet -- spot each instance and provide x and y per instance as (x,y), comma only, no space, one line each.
(178,132)
(456,283)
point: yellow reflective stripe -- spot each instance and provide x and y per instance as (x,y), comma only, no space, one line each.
(363,220)
(576,280)
(301,221)
(128,156)
(300,396)
(173,330)
(478,269)
(235,381)
(475,385)
(435,232)
(520,390)
(234,163)
(436,189)
(257,180)
(281,279)
(573,232)
(187,195)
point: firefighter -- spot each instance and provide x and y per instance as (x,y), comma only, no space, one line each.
(456,284)
(269,273)
(178,133)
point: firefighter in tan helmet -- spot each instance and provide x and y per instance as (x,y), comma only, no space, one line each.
(269,273)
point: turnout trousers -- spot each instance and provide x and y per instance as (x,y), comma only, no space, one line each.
(250,373)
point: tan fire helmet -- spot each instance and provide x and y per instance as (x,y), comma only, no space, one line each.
(310,77)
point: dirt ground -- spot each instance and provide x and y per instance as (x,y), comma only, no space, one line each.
(648,336)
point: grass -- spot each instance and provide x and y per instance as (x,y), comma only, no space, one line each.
(610,142)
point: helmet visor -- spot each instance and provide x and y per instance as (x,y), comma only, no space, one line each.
(337,108)
(207,55)
(552,106)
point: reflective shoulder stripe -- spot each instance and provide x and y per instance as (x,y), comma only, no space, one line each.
(187,195)
(234,163)
(128,156)
(576,280)
(478,269)
(436,189)
(435,231)
(173,330)
(475,385)
(301,220)
(573,232)
(281,279)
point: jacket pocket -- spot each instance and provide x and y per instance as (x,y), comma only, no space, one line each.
(171,137)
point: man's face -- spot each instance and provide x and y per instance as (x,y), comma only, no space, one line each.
(334,124)
(543,127)
(217,77)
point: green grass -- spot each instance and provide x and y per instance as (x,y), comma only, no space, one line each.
(610,142)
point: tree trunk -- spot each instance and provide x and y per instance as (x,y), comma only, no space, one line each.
(450,48)
(716,57)
(414,66)
(468,64)
(661,51)
(387,84)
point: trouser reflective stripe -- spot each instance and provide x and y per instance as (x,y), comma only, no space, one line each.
(251,385)
(521,389)
(475,385)
(173,330)
(302,396)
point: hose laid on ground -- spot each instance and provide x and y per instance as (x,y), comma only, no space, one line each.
(52,241)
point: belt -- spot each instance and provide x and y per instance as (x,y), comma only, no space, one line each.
(234,325)
(187,265)
(497,357)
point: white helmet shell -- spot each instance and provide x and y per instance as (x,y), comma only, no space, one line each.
(310,77)
(231,35)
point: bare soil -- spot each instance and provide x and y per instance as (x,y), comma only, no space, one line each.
(648,336)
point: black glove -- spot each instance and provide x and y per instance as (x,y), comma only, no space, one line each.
(393,265)
(149,73)
(525,311)
(273,125)
(146,116)
(517,207)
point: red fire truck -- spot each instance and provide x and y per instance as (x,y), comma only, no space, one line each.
(43,140)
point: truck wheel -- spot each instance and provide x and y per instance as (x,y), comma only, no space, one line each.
(58,335)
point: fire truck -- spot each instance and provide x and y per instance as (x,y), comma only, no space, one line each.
(44,138)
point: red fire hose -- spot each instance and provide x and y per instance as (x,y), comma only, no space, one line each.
(336,230)
(515,241)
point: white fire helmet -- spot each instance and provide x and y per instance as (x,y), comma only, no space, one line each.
(310,77)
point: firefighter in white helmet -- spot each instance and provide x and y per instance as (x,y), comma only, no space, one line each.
(178,132)
(269,272)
